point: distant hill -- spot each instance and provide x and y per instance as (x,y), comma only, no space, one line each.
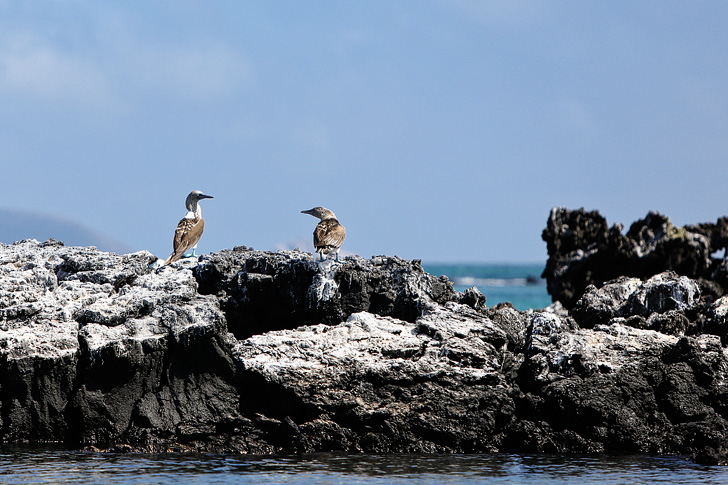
(16,225)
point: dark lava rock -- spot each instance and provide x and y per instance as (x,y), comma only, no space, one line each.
(260,352)
(656,303)
(583,250)
(261,291)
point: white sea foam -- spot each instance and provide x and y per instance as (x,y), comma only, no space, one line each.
(473,281)
(518,283)
(499,282)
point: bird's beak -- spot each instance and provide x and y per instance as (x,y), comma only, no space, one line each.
(203,196)
(309,212)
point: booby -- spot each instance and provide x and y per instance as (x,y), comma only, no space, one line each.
(329,234)
(189,230)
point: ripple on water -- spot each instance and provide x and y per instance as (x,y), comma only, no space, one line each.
(52,466)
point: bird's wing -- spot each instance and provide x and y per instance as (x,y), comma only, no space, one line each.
(329,233)
(186,235)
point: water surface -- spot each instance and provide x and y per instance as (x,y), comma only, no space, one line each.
(35,467)
(518,283)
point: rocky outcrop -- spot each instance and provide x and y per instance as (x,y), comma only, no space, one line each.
(261,291)
(94,347)
(583,250)
(262,352)
(99,349)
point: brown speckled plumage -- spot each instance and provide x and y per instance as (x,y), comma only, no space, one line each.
(329,235)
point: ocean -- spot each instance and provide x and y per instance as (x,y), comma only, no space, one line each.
(70,467)
(519,284)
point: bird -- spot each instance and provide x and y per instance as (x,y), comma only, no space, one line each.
(189,230)
(329,234)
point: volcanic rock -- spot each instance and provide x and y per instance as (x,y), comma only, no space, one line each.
(262,352)
(583,250)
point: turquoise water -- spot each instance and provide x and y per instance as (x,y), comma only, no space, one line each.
(521,284)
(35,467)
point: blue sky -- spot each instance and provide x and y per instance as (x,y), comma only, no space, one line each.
(436,129)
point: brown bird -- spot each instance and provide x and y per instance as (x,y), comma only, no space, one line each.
(329,234)
(189,230)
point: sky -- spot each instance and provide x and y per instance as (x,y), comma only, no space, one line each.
(443,130)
